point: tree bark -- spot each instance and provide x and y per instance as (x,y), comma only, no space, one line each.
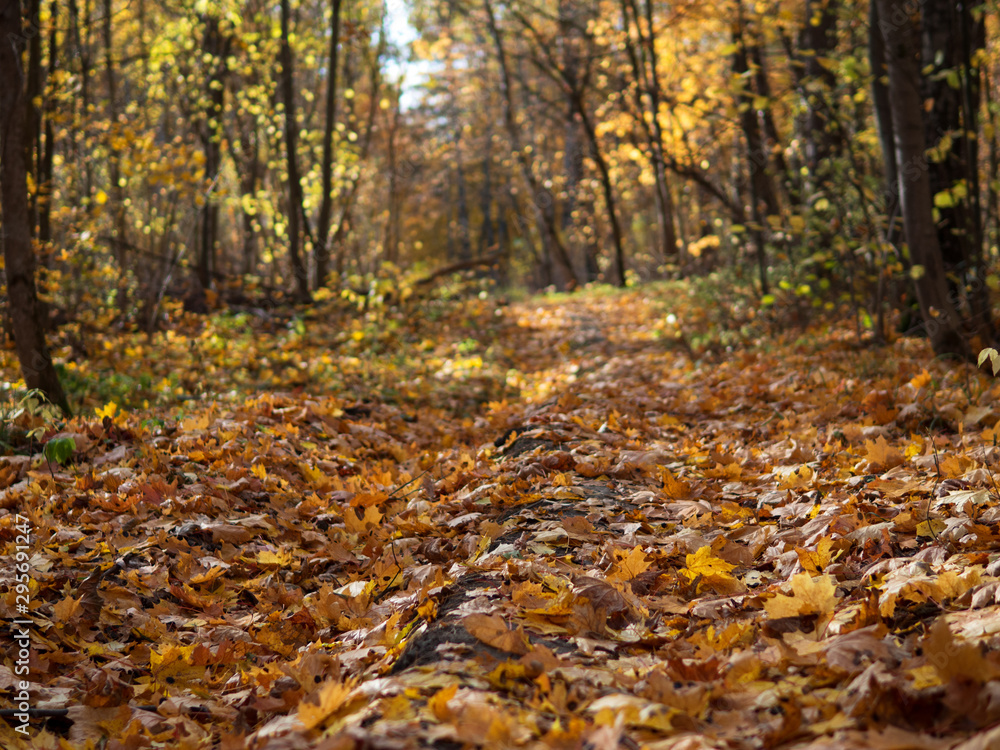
(326,202)
(941,319)
(642,57)
(604,171)
(883,118)
(762,190)
(19,257)
(80,114)
(114,168)
(296,215)
(33,146)
(217,48)
(665,203)
(462,203)
(818,41)
(44,189)
(552,244)
(952,37)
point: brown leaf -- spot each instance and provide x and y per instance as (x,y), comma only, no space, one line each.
(493,631)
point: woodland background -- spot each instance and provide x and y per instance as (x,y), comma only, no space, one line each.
(201,155)
(549,375)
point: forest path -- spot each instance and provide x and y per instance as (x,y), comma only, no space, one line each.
(633,549)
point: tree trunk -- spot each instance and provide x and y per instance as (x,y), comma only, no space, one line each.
(951,38)
(541,202)
(392,221)
(295,211)
(114,168)
(217,49)
(33,147)
(486,203)
(818,41)
(44,189)
(762,190)
(772,138)
(941,319)
(81,113)
(609,191)
(668,235)
(19,258)
(248,146)
(643,58)
(883,117)
(326,202)
(462,204)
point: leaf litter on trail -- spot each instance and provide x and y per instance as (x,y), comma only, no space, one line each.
(627,549)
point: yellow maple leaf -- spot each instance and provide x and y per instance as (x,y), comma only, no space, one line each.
(330,699)
(712,573)
(704,563)
(174,661)
(881,456)
(955,466)
(731,471)
(315,477)
(267,557)
(794,477)
(630,566)
(930,529)
(673,488)
(810,596)
(197,422)
(355,525)
(815,561)
(108,410)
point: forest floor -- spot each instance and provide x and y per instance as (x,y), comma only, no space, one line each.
(547,524)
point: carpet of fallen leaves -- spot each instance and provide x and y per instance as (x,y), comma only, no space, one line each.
(792,544)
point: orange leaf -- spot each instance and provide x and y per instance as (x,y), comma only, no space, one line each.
(493,631)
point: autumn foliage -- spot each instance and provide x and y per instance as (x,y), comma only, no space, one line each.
(627,534)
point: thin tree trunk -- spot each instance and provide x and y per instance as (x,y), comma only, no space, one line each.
(992,194)
(217,48)
(392,221)
(941,319)
(33,147)
(552,244)
(249,178)
(114,167)
(667,232)
(48,154)
(818,41)
(19,257)
(462,204)
(295,211)
(80,117)
(762,190)
(942,23)
(644,63)
(486,204)
(351,192)
(772,138)
(326,202)
(609,191)
(883,118)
